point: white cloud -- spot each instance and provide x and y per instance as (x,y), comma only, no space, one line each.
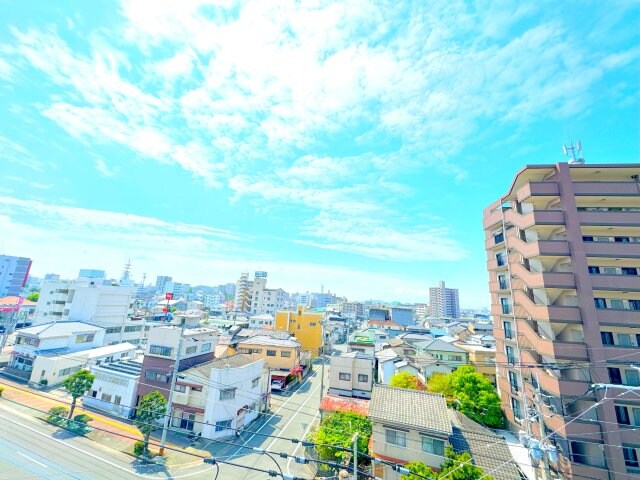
(104,169)
(18,155)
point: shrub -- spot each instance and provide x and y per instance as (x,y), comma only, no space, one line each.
(1,390)
(83,418)
(58,412)
(138,448)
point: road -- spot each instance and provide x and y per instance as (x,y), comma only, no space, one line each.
(30,449)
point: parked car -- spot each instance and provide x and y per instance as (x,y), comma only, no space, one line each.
(277,385)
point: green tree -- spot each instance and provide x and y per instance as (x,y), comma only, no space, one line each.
(152,408)
(457,466)
(406,380)
(476,396)
(338,429)
(421,471)
(33,296)
(440,383)
(77,385)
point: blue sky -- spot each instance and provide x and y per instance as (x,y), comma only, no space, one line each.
(345,144)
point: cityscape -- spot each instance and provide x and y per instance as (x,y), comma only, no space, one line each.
(320,240)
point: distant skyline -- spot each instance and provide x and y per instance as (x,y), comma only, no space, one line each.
(350,144)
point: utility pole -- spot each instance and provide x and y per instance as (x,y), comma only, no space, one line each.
(11,323)
(355,456)
(322,366)
(538,403)
(174,378)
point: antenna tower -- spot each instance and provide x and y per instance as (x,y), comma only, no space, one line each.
(127,270)
(572,150)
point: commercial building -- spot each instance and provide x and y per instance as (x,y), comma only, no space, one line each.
(162,281)
(352,310)
(402,315)
(13,274)
(563,255)
(89,300)
(304,325)
(115,387)
(351,375)
(444,302)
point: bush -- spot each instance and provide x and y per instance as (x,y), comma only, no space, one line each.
(83,418)
(1,390)
(138,448)
(58,412)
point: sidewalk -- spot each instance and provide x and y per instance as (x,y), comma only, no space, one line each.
(110,432)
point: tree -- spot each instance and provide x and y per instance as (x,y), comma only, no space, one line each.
(338,429)
(77,385)
(457,466)
(33,296)
(440,383)
(152,408)
(477,397)
(406,380)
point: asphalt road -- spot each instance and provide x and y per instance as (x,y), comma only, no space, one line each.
(29,449)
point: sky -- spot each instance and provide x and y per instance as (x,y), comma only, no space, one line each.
(348,144)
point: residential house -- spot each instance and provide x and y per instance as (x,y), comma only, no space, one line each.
(390,327)
(50,339)
(351,374)
(397,356)
(481,357)
(115,387)
(408,426)
(365,340)
(220,397)
(481,328)
(261,321)
(303,324)
(198,346)
(447,352)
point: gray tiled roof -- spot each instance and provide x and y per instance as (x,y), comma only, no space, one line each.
(231,361)
(412,408)
(488,450)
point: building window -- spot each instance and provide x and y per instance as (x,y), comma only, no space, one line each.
(500,259)
(228,394)
(105,397)
(156,376)
(196,388)
(117,399)
(595,270)
(504,303)
(285,354)
(630,457)
(395,437)
(363,378)
(180,388)
(244,350)
(206,347)
(607,338)
(513,381)
(344,376)
(614,376)
(223,425)
(502,281)
(86,338)
(622,415)
(255,382)
(511,358)
(508,333)
(432,445)
(68,371)
(191,350)
(600,302)
(271,353)
(517,410)
(112,330)
(624,339)
(133,328)
(633,378)
(162,351)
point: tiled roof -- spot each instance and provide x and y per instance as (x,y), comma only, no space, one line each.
(439,346)
(268,341)
(334,403)
(488,450)
(412,408)
(230,361)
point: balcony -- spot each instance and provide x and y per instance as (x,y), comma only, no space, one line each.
(576,428)
(616,282)
(536,217)
(492,216)
(612,249)
(626,318)
(548,347)
(627,219)
(605,188)
(538,189)
(564,280)
(554,313)
(557,386)
(553,248)
(626,354)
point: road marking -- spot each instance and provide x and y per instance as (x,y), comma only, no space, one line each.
(97,457)
(32,459)
(298,445)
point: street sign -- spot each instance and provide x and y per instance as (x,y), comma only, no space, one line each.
(168,296)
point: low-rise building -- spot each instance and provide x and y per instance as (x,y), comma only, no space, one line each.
(261,321)
(447,352)
(392,328)
(15,312)
(407,426)
(221,397)
(50,339)
(351,374)
(365,340)
(115,387)
(482,357)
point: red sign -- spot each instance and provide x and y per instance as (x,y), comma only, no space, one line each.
(168,295)
(165,309)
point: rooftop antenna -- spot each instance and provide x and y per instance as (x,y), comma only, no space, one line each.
(572,150)
(144,278)
(127,270)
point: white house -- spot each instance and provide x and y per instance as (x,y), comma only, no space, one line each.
(52,369)
(351,374)
(261,321)
(115,387)
(220,397)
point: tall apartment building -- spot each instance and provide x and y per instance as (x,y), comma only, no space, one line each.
(563,254)
(13,274)
(242,296)
(162,282)
(444,302)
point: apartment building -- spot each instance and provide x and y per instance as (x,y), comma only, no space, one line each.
(351,375)
(242,299)
(563,255)
(305,325)
(13,274)
(198,346)
(352,310)
(444,302)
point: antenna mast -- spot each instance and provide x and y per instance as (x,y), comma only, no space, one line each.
(571,151)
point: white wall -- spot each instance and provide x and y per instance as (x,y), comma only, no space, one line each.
(112,383)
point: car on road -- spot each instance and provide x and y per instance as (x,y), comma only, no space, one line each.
(278,385)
